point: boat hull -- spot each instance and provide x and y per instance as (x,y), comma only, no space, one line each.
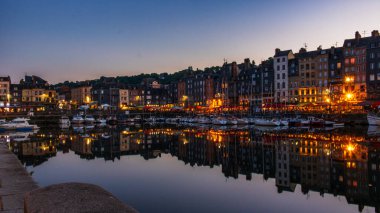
(373,120)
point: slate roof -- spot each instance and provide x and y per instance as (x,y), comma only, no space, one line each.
(282,53)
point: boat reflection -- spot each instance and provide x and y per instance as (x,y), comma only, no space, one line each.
(339,162)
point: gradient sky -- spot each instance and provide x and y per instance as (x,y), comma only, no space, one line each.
(85,39)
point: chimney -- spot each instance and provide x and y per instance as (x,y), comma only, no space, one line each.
(332,50)
(277,50)
(247,64)
(375,33)
(357,35)
(302,50)
(319,48)
(234,70)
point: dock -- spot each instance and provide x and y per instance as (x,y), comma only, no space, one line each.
(20,194)
(15,181)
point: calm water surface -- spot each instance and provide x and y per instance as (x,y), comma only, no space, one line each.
(212,169)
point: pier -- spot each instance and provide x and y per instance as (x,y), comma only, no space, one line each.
(14,182)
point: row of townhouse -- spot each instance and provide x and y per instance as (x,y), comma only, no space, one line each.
(31,91)
(347,73)
(337,74)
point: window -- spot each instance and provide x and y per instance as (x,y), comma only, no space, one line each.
(283,59)
(283,75)
(378,76)
(278,85)
(372,66)
(338,65)
(303,66)
(346,61)
(278,67)
(307,66)
(372,55)
(283,67)
(278,60)
(283,84)
(352,61)
(278,75)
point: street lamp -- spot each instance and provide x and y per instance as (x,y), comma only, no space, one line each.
(349,96)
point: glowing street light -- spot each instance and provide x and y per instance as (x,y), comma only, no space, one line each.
(349,96)
(349,79)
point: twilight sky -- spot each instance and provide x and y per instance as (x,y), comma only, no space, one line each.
(85,39)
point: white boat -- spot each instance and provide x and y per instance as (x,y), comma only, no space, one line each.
(284,122)
(204,120)
(265,122)
(373,120)
(242,121)
(89,119)
(64,121)
(18,124)
(77,119)
(232,121)
(338,124)
(305,122)
(219,121)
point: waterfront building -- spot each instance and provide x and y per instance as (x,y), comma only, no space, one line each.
(322,88)
(355,68)
(266,68)
(136,96)
(123,97)
(294,78)
(372,63)
(5,92)
(335,74)
(308,74)
(172,89)
(16,94)
(154,93)
(181,92)
(81,95)
(105,95)
(280,64)
(37,96)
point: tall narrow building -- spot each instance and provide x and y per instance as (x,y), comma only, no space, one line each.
(280,64)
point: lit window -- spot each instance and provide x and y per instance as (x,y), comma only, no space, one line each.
(352,61)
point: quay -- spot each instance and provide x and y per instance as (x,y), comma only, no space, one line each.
(14,182)
(20,194)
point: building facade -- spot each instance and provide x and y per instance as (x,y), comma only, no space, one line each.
(5,93)
(280,64)
(81,95)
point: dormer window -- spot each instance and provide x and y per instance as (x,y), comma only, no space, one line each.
(349,44)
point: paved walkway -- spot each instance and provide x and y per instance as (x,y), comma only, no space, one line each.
(14,182)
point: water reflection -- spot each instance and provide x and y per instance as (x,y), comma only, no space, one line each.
(338,162)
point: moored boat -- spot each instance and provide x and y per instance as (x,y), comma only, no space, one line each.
(77,119)
(219,121)
(265,122)
(373,119)
(20,124)
(89,119)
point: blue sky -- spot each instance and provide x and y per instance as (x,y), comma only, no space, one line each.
(85,39)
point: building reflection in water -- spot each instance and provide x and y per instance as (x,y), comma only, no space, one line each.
(334,162)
